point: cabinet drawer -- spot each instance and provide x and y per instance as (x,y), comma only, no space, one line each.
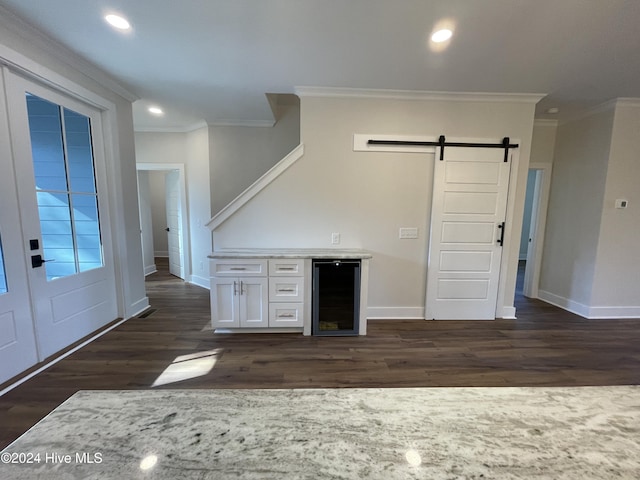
(285,315)
(238,268)
(286,289)
(292,267)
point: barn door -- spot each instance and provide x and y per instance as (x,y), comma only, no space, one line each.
(467,224)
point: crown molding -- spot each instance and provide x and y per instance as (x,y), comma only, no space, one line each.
(30,34)
(628,102)
(176,129)
(332,92)
(242,123)
(545,122)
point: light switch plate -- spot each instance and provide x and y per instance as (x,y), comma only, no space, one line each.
(621,203)
(408,232)
(335,238)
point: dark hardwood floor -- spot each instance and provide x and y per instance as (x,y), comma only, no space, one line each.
(544,346)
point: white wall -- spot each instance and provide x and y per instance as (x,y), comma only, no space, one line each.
(575,207)
(240,155)
(367,196)
(60,68)
(616,283)
(192,150)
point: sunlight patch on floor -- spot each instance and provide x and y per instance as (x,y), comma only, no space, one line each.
(189,366)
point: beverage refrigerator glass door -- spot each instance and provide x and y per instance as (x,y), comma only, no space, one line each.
(336,297)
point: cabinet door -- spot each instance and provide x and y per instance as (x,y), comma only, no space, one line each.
(254,302)
(224,303)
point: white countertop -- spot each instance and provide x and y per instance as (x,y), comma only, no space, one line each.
(340,253)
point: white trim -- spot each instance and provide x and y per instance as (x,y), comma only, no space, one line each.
(242,123)
(58,51)
(200,281)
(614,312)
(591,313)
(395,313)
(360,143)
(627,102)
(508,313)
(176,129)
(148,270)
(564,303)
(138,307)
(61,357)
(303,91)
(161,254)
(545,122)
(257,186)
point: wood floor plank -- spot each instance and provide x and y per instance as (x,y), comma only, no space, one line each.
(545,346)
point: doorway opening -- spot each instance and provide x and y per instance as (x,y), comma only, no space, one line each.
(163,218)
(533,225)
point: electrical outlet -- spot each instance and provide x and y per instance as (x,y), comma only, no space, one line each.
(408,232)
(335,238)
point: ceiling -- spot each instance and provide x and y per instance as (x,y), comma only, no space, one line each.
(214,60)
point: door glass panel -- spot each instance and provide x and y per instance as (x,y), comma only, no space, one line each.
(3,275)
(65,188)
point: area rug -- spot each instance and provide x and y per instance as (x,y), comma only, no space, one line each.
(406,433)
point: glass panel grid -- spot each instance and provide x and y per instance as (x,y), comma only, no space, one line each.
(61,146)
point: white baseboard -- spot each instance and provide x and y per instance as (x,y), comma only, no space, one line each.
(200,281)
(395,313)
(137,308)
(508,313)
(587,311)
(148,270)
(614,312)
(564,303)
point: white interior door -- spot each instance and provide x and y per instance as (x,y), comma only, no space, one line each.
(174,223)
(468,210)
(17,337)
(60,173)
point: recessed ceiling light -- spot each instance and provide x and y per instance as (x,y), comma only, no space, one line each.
(553,110)
(155,110)
(118,22)
(441,35)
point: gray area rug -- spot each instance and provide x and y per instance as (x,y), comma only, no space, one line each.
(406,433)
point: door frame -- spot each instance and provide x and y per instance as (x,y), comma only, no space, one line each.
(185,257)
(534,252)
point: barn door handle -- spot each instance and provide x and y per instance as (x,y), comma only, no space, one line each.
(501,239)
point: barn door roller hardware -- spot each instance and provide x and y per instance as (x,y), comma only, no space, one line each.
(506,144)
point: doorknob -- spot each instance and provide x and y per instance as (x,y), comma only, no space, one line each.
(166,229)
(37,261)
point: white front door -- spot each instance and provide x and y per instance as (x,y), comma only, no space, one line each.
(17,337)
(468,210)
(174,223)
(60,173)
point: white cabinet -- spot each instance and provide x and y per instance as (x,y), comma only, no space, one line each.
(239,302)
(239,294)
(258,293)
(286,292)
